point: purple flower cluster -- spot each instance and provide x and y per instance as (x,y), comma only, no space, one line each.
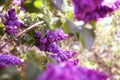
(63,55)
(8,60)
(11,23)
(47,43)
(68,71)
(87,10)
(56,35)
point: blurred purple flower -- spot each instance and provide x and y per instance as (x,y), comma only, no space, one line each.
(97,2)
(68,71)
(81,7)
(9,60)
(87,10)
(100,12)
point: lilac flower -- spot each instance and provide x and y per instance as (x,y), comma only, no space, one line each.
(69,53)
(9,60)
(100,12)
(53,48)
(97,2)
(50,47)
(42,47)
(47,43)
(81,7)
(87,10)
(74,62)
(11,23)
(68,71)
(38,35)
(103,11)
(11,29)
(91,16)
(57,35)
(63,55)
(44,40)
(11,14)
(84,5)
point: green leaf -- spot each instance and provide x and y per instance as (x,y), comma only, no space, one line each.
(1,31)
(9,73)
(29,39)
(37,3)
(47,4)
(55,22)
(87,37)
(31,8)
(31,71)
(65,27)
(93,24)
(16,77)
(32,56)
(2,2)
(70,14)
(36,64)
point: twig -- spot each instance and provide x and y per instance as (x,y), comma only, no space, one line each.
(24,31)
(2,38)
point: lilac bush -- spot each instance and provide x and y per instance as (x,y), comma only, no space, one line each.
(34,30)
